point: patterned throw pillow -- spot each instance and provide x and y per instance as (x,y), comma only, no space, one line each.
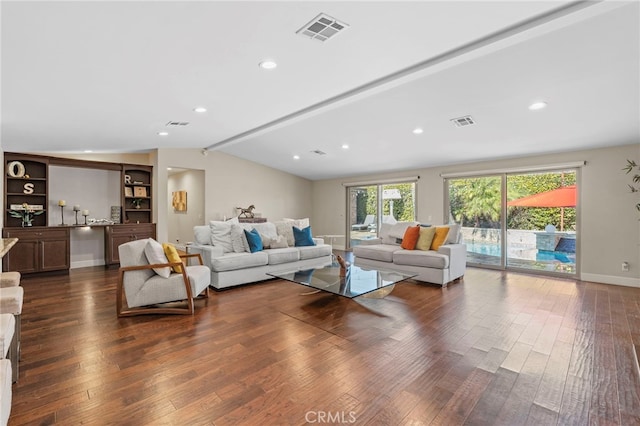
(279,242)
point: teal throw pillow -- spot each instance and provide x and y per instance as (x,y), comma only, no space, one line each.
(303,237)
(254,240)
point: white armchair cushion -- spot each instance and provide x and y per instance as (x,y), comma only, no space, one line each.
(155,254)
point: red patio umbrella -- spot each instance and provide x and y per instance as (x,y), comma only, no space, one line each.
(562,197)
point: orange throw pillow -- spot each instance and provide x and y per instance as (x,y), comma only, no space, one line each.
(410,238)
(440,237)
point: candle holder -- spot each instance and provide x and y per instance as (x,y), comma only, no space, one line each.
(85,213)
(62,214)
(76,210)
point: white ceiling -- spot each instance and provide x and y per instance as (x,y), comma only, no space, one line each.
(108,76)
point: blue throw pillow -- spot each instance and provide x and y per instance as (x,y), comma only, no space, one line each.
(303,237)
(254,240)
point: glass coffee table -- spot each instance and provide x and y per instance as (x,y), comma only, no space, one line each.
(357,281)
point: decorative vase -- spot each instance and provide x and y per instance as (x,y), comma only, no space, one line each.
(138,206)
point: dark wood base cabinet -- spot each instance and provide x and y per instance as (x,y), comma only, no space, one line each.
(114,235)
(39,249)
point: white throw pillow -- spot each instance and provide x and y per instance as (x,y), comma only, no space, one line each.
(267,231)
(279,242)
(221,235)
(454,234)
(298,223)
(202,234)
(239,239)
(155,254)
(285,229)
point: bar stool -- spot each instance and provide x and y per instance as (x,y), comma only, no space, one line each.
(5,391)
(9,279)
(11,299)
(8,345)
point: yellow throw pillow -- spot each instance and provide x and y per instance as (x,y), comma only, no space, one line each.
(426,237)
(439,238)
(172,256)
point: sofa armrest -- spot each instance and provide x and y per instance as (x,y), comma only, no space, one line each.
(370,242)
(318,241)
(457,258)
(206,253)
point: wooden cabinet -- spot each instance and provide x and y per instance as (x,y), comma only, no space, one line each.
(137,194)
(114,235)
(25,182)
(39,249)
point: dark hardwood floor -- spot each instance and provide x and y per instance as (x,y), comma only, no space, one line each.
(495,348)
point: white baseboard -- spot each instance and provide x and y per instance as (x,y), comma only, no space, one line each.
(87,263)
(611,279)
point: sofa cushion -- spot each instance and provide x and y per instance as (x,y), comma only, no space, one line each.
(385,228)
(427,259)
(398,229)
(234,261)
(440,237)
(410,238)
(283,255)
(298,223)
(155,255)
(426,237)
(303,237)
(312,252)
(254,239)
(381,252)
(454,233)
(221,235)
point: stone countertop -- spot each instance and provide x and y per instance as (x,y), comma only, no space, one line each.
(6,245)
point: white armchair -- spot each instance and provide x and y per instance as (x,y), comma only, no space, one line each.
(147,292)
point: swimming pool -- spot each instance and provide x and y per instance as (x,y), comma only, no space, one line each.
(492,249)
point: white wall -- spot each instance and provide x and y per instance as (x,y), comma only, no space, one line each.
(609,223)
(180,224)
(232,182)
(93,190)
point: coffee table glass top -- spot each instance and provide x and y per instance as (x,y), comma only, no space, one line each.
(357,281)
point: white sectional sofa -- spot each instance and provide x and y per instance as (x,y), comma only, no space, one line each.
(440,266)
(227,254)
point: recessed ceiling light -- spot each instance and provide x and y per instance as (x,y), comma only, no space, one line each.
(163,133)
(87,151)
(200,109)
(267,65)
(417,131)
(345,146)
(168,168)
(296,157)
(537,105)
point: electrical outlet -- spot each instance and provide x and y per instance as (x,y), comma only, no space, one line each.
(625,266)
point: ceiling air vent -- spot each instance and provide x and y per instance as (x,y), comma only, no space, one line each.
(317,151)
(177,123)
(465,121)
(322,27)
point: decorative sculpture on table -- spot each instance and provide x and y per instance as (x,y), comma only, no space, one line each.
(248,212)
(344,265)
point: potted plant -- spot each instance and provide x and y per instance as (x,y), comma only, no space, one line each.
(635,187)
(27,213)
(136,202)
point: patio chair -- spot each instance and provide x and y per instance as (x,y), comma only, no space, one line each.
(149,286)
(368,221)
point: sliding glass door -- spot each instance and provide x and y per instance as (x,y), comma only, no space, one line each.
(475,203)
(370,206)
(523,221)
